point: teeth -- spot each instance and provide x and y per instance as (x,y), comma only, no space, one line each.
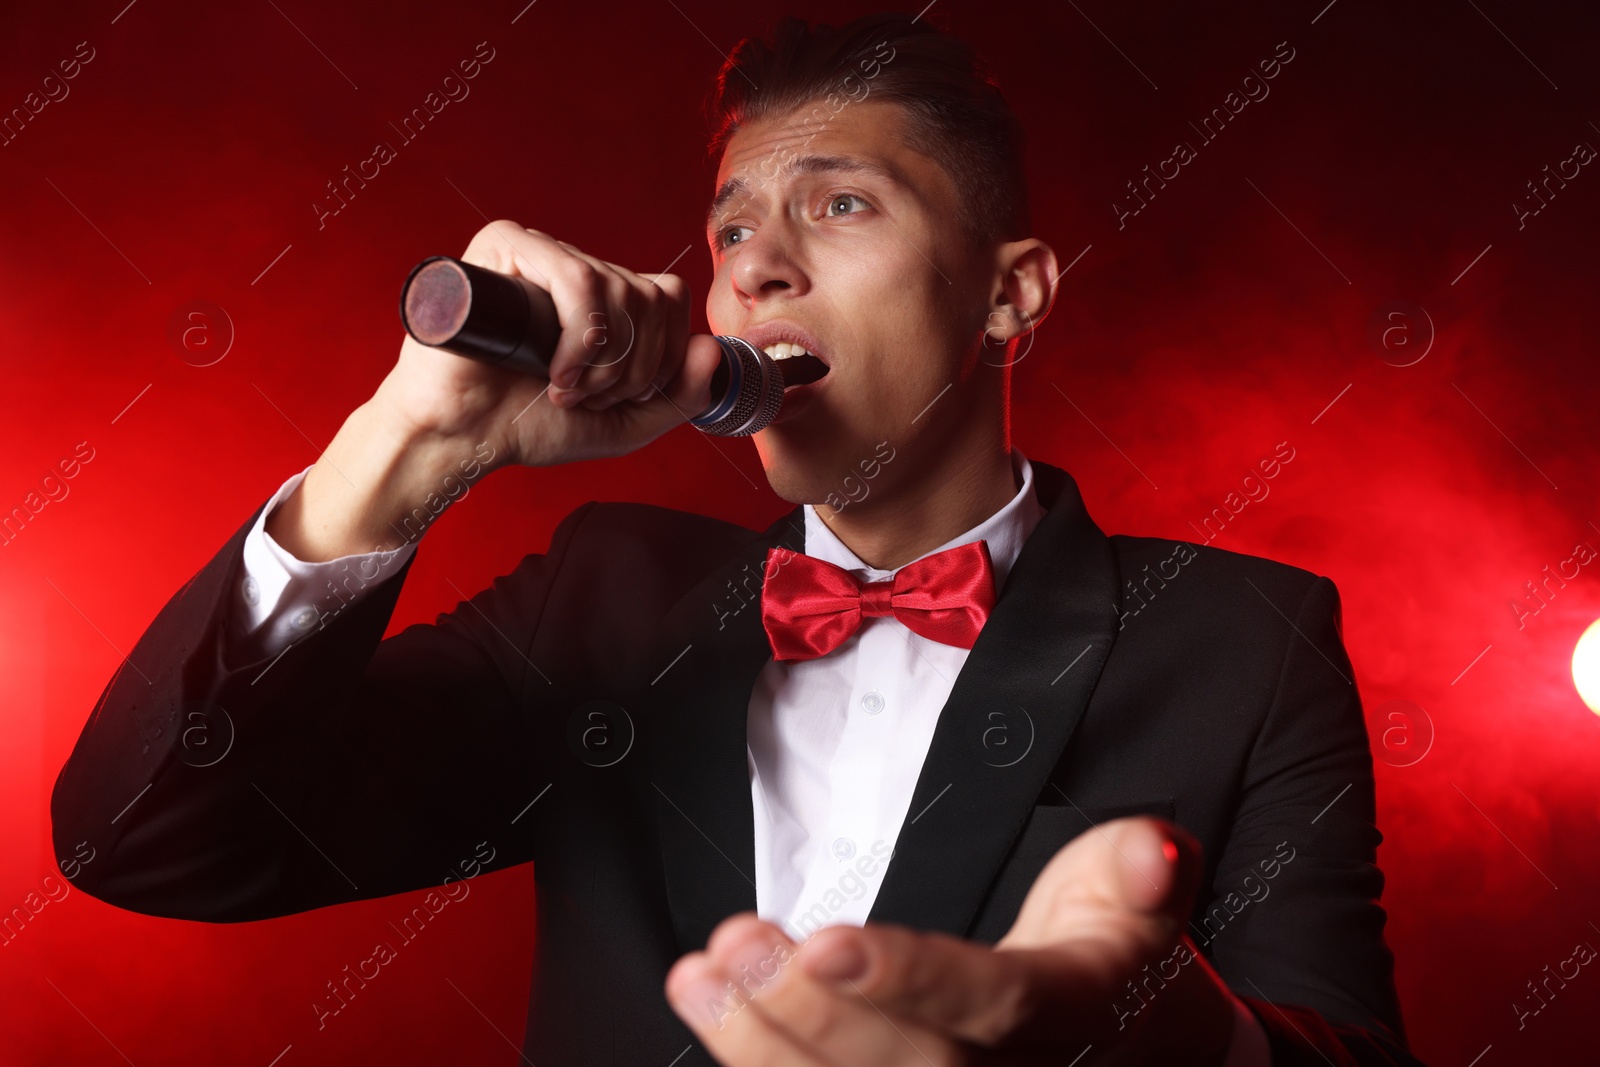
(784,350)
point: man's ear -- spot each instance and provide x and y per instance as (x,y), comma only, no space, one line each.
(1024,289)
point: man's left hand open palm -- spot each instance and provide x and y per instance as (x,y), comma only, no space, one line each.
(1113,900)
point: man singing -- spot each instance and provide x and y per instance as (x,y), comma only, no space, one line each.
(932,770)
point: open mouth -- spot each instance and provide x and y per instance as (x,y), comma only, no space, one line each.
(798,366)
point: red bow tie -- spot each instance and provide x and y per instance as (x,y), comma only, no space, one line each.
(810,607)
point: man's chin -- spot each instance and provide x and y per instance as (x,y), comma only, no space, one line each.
(796,485)
(802,467)
(830,469)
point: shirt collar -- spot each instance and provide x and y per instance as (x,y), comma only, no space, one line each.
(1005,531)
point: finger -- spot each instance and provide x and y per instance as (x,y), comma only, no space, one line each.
(838,1024)
(1144,868)
(576,286)
(684,397)
(641,350)
(627,332)
(605,329)
(689,392)
(627,322)
(656,411)
(503,246)
(675,325)
(963,988)
(589,297)
(712,1007)
(660,336)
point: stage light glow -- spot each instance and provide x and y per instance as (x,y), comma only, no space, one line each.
(1586,666)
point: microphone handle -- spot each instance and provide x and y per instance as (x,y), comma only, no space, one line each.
(508,321)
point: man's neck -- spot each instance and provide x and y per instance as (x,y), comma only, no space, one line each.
(951,494)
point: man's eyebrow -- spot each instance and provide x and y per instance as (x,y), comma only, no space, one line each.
(735,188)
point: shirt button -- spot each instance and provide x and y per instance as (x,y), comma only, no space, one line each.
(252,592)
(844,848)
(306,619)
(872,702)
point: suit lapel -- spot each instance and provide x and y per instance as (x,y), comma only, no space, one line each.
(1013,707)
(712,649)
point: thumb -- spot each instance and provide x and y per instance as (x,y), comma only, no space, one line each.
(688,393)
(1145,869)
(684,396)
(1163,867)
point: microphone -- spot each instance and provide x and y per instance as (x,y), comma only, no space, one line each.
(508,321)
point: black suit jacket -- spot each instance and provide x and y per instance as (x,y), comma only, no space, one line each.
(605,683)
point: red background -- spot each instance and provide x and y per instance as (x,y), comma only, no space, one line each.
(191,148)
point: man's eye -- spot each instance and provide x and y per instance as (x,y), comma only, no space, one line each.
(842,202)
(729,235)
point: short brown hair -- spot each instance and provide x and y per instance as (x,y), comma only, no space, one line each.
(955,111)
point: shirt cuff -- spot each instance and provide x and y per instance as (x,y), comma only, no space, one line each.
(281,598)
(1249,1047)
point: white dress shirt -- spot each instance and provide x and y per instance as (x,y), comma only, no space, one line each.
(282,599)
(835,743)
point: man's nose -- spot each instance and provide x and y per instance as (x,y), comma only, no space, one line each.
(768,266)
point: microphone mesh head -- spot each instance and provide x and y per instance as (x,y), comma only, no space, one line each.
(436,301)
(758,391)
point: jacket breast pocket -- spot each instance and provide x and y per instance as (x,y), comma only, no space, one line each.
(1048,829)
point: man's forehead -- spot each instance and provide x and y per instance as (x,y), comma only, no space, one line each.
(773,133)
(869,130)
